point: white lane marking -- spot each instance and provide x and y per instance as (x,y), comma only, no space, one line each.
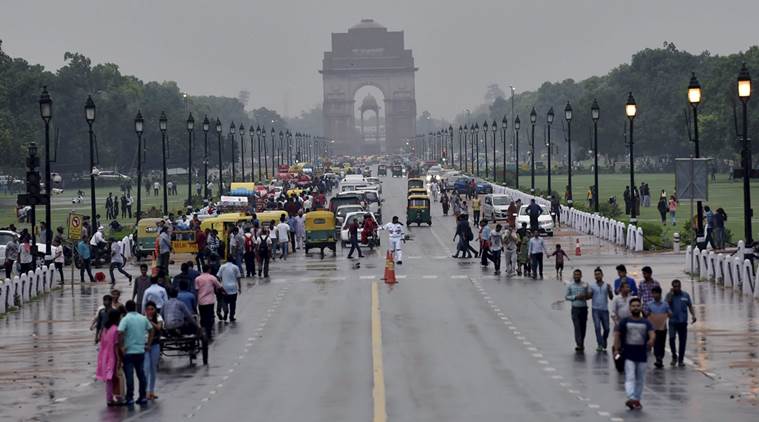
(543,362)
(458,276)
(549,369)
(573,391)
(565,384)
(532,349)
(401,276)
(617,420)
(604,414)
(61,399)
(429,276)
(537,355)
(593,406)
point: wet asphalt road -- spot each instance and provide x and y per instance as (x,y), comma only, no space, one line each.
(457,343)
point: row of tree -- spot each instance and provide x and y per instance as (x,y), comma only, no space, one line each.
(658,79)
(117,97)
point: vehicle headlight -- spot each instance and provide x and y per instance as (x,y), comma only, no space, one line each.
(429,177)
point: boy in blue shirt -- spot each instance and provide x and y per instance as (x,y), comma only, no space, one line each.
(658,312)
(679,304)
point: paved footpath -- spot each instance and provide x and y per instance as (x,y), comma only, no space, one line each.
(325,341)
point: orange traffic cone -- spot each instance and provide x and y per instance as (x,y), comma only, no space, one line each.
(389,269)
(578,250)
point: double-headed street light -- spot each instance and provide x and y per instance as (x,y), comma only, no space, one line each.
(139,128)
(549,120)
(631,109)
(190,128)
(694,99)
(517,125)
(568,118)
(595,114)
(89,115)
(162,125)
(221,166)
(206,126)
(533,119)
(46,112)
(744,94)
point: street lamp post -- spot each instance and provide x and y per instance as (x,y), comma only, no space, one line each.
(241,129)
(89,114)
(232,131)
(139,127)
(549,120)
(595,114)
(461,167)
(485,132)
(266,162)
(252,135)
(476,140)
(451,161)
(221,172)
(162,125)
(504,125)
(517,125)
(694,98)
(46,112)
(281,145)
(533,119)
(744,93)
(466,149)
(494,129)
(279,153)
(258,140)
(206,126)
(190,128)
(568,117)
(631,109)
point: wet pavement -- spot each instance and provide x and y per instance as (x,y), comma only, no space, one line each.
(458,343)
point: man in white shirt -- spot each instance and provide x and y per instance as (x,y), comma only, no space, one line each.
(396,234)
(98,237)
(536,249)
(117,261)
(283,235)
(229,274)
(155,293)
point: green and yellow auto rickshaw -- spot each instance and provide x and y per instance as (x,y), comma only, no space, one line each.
(145,234)
(418,210)
(415,183)
(320,231)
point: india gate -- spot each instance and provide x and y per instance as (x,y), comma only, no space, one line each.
(369,55)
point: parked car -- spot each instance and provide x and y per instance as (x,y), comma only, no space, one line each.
(495,207)
(484,188)
(112,175)
(345,235)
(461,185)
(545,221)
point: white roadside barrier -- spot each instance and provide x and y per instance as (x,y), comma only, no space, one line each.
(23,288)
(733,271)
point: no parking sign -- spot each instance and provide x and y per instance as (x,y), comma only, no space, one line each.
(75,226)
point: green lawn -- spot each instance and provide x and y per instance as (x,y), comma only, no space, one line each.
(722,193)
(62,205)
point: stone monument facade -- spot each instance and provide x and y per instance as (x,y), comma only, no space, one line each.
(368,54)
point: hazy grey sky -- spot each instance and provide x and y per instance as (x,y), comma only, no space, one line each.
(274,48)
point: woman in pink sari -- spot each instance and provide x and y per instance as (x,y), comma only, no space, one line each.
(108,358)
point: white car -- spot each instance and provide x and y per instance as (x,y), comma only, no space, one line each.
(434,173)
(495,207)
(6,236)
(344,210)
(112,175)
(545,221)
(344,234)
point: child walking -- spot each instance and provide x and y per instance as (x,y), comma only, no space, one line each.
(560,255)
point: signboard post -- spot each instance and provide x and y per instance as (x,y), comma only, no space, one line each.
(75,226)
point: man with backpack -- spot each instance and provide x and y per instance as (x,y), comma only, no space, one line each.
(249,253)
(263,250)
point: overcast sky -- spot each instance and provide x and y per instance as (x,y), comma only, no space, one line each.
(274,48)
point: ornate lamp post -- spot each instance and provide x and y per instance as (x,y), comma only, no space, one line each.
(595,114)
(278,154)
(266,162)
(476,140)
(504,124)
(46,112)
(517,125)
(190,128)
(258,140)
(232,130)
(494,129)
(139,128)
(242,151)
(206,126)
(461,167)
(631,109)
(451,161)
(744,94)
(568,118)
(694,98)
(162,125)
(221,166)
(89,114)
(485,132)
(252,135)
(533,119)
(549,120)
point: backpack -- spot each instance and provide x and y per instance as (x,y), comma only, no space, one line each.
(263,248)
(248,243)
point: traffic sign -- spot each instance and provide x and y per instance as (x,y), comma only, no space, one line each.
(75,226)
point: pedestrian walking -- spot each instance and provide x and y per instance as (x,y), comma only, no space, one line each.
(620,305)
(152,350)
(164,250)
(58,258)
(658,312)
(510,247)
(83,249)
(25,255)
(108,356)
(484,238)
(135,333)
(300,230)
(496,244)
(353,238)
(250,253)
(129,205)
(283,236)
(646,286)
(229,275)
(206,285)
(679,304)
(155,293)
(445,203)
(11,256)
(537,248)
(662,208)
(117,262)
(101,317)
(622,273)
(600,295)
(263,252)
(560,256)
(523,255)
(718,230)
(534,211)
(633,338)
(672,206)
(578,294)
(156,186)
(463,232)
(140,285)
(476,209)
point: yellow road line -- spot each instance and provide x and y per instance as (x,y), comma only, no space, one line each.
(378,392)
